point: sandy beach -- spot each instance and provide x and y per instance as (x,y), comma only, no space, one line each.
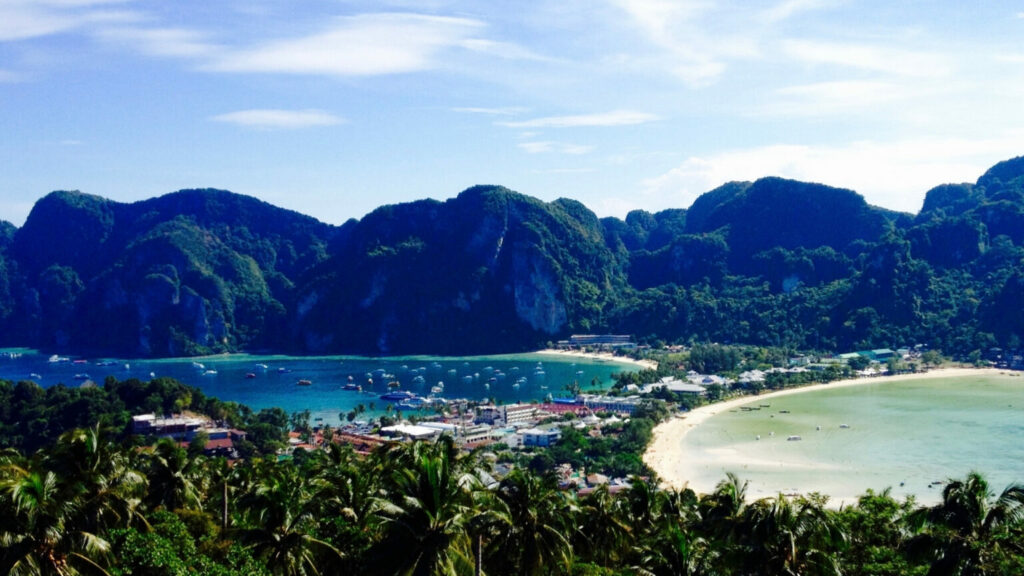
(667,455)
(599,356)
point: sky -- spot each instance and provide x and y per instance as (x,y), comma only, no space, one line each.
(335,107)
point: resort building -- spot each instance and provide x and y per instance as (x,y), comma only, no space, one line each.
(626,405)
(539,437)
(601,341)
(179,428)
(519,414)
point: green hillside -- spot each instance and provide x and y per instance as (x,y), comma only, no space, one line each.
(774,261)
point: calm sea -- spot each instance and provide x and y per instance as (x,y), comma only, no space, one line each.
(268,381)
(909,436)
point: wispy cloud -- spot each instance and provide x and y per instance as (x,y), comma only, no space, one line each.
(556,147)
(789,8)
(504,111)
(894,174)
(364,45)
(829,98)
(172,42)
(279,119)
(24,19)
(506,50)
(9,77)
(613,118)
(908,63)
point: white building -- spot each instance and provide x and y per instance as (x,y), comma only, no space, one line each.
(538,437)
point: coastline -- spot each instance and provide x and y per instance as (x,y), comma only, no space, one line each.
(599,356)
(667,456)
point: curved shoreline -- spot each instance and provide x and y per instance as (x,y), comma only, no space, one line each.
(667,456)
(599,356)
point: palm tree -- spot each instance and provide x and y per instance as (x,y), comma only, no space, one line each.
(965,527)
(720,511)
(604,536)
(38,536)
(427,507)
(348,492)
(675,551)
(280,516)
(99,473)
(533,518)
(174,478)
(779,536)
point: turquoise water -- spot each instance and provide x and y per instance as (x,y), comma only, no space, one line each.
(913,432)
(476,378)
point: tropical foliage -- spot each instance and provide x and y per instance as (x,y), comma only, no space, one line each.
(773,263)
(87,505)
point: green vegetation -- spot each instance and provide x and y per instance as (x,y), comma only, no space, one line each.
(32,417)
(770,263)
(89,505)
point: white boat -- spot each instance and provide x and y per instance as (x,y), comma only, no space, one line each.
(844,425)
(794,438)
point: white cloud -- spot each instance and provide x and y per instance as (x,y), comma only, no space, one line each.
(364,45)
(25,19)
(173,42)
(841,97)
(893,175)
(506,111)
(557,147)
(613,118)
(789,8)
(907,63)
(9,77)
(506,50)
(279,119)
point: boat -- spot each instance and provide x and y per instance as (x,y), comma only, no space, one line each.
(198,366)
(81,376)
(261,367)
(397,395)
(352,386)
(210,373)
(35,376)
(794,438)
(80,361)
(844,425)
(250,375)
(283,370)
(414,403)
(54,359)
(305,382)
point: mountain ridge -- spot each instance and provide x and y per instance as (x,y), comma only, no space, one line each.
(773,261)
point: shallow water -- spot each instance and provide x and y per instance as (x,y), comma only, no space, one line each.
(474,377)
(912,432)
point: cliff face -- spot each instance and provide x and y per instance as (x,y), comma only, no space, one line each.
(487,271)
(773,262)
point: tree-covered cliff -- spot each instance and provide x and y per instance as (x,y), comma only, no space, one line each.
(772,262)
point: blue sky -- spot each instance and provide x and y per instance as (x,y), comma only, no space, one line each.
(332,108)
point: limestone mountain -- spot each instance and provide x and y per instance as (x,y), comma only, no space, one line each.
(773,261)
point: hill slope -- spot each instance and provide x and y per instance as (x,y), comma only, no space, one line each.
(774,262)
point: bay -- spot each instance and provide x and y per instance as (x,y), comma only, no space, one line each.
(910,436)
(260,381)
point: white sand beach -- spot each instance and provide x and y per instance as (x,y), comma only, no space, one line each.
(667,454)
(599,356)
